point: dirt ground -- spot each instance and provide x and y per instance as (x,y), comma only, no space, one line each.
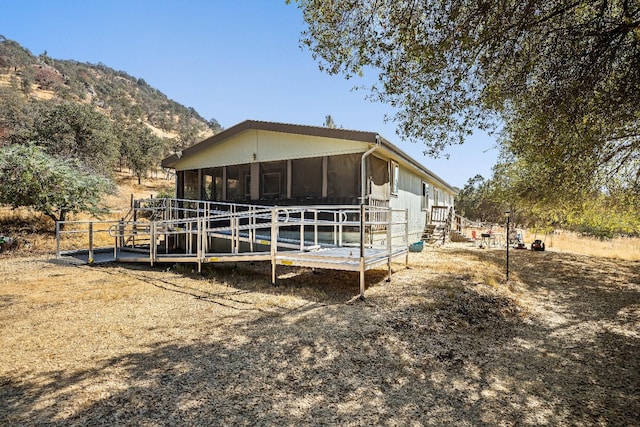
(446,342)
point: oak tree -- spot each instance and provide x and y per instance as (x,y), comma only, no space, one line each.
(29,177)
(560,79)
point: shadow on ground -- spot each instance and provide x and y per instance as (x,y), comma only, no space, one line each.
(449,355)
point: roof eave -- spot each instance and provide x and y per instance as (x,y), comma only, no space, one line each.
(393,148)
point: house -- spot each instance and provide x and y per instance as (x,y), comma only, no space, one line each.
(266,163)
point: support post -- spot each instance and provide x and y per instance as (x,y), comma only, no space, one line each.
(274,243)
(90,260)
(389,245)
(406,237)
(57,239)
(508,215)
(362,236)
(200,252)
(152,245)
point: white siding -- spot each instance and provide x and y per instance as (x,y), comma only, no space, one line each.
(410,197)
(263,146)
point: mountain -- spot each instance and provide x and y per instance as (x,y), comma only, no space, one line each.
(114,93)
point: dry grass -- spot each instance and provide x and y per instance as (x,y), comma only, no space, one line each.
(36,232)
(445,343)
(627,248)
(128,186)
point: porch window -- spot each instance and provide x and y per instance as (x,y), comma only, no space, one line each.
(273,176)
(247,186)
(343,177)
(212,183)
(271,183)
(191,185)
(236,182)
(306,177)
(378,173)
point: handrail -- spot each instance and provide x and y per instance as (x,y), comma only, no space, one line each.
(382,227)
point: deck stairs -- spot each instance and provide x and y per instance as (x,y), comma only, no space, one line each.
(438,226)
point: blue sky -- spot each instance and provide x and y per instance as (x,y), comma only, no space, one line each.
(230,60)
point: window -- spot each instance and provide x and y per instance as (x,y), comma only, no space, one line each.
(395,172)
(306,177)
(236,182)
(271,183)
(191,185)
(207,186)
(273,180)
(425,195)
(247,186)
(212,183)
(343,177)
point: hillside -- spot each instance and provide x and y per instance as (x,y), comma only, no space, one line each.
(114,93)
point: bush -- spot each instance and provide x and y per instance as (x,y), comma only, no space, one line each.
(31,178)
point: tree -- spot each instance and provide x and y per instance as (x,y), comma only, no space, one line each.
(31,178)
(140,149)
(188,135)
(328,122)
(73,130)
(472,201)
(214,125)
(17,114)
(562,76)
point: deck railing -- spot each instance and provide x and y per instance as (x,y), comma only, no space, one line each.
(175,230)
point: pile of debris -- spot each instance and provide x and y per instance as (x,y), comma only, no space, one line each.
(7,243)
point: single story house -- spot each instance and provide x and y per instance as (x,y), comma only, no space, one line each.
(268,163)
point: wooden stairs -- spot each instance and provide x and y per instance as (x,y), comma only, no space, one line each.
(438,228)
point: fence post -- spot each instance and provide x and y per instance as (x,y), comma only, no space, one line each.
(115,241)
(302,215)
(315,227)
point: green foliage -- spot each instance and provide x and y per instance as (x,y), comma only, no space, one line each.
(140,149)
(475,202)
(215,126)
(31,178)
(561,78)
(74,130)
(514,187)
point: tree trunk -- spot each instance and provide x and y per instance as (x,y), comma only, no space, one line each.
(55,218)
